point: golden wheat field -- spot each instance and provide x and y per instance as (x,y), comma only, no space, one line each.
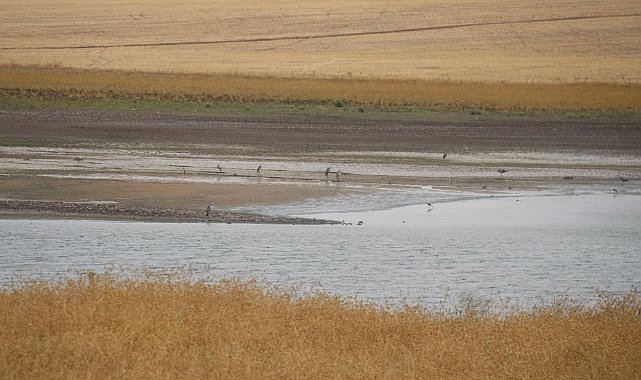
(99,327)
(547,41)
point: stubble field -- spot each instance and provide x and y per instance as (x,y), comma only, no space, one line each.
(499,55)
(496,41)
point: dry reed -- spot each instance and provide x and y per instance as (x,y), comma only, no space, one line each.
(99,327)
(51,82)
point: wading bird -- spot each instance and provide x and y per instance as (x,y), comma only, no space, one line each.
(208,210)
(327,172)
(338,176)
(444,155)
(219,168)
(501,171)
(258,169)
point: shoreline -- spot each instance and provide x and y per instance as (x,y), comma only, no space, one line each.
(23,209)
(166,166)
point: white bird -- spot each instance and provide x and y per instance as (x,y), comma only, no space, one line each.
(209,209)
(429,207)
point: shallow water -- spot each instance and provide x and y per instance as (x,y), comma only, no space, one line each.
(119,164)
(525,249)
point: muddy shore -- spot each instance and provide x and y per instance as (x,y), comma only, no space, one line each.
(112,211)
(167,167)
(255,134)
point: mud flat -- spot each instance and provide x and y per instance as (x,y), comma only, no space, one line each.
(113,211)
(168,166)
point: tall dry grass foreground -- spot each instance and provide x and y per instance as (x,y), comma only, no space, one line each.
(98,327)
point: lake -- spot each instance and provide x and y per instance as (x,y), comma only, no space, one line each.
(526,250)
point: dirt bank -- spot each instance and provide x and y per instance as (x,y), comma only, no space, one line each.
(309,135)
(108,210)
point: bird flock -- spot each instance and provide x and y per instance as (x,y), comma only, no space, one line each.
(338,173)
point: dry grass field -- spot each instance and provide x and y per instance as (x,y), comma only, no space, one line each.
(97,327)
(56,83)
(440,54)
(521,41)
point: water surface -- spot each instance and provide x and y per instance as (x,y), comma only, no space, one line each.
(522,248)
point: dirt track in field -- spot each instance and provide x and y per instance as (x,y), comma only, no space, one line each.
(322,36)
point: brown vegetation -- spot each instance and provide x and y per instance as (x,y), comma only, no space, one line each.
(446,95)
(98,327)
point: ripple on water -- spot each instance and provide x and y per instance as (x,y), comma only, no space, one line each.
(540,247)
